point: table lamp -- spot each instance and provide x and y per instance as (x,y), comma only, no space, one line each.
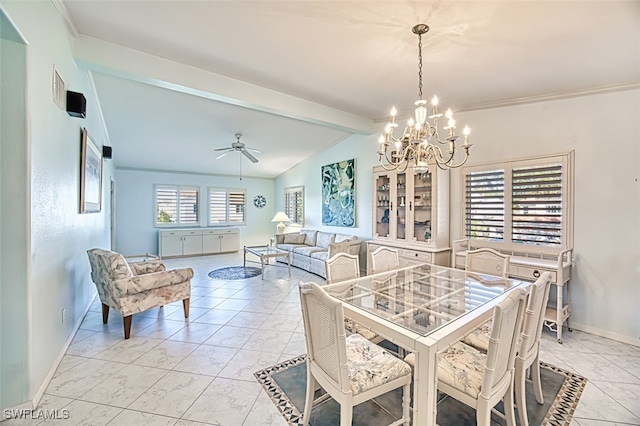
(280,217)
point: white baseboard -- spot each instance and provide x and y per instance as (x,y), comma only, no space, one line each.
(40,392)
(607,334)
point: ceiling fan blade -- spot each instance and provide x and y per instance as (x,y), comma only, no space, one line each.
(249,156)
(223,154)
(223,149)
(254,150)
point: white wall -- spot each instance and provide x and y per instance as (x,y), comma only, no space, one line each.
(14,213)
(604,131)
(308,173)
(135,210)
(58,276)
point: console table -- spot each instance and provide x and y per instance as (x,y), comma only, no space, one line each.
(529,266)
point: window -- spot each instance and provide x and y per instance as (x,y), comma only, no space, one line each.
(294,204)
(227,206)
(527,202)
(176,205)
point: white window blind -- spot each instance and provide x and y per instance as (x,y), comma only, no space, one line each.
(537,205)
(227,206)
(294,204)
(176,205)
(236,206)
(525,202)
(484,213)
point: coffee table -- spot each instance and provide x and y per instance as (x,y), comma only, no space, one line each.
(265,253)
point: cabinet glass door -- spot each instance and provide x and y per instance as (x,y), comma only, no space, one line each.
(401,203)
(382,205)
(422,206)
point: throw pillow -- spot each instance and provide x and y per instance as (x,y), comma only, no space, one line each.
(343,237)
(310,238)
(294,238)
(335,248)
(324,239)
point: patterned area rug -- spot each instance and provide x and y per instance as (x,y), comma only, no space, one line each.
(235,273)
(285,384)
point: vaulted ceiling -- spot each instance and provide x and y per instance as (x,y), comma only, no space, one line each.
(179,78)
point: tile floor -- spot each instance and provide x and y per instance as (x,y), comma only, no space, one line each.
(173,372)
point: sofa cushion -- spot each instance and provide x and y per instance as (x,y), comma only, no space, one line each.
(320,255)
(310,238)
(294,238)
(306,250)
(289,247)
(323,239)
(344,237)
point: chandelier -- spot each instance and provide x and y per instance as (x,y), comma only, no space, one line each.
(417,143)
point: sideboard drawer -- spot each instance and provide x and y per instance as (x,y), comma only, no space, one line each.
(531,273)
(417,256)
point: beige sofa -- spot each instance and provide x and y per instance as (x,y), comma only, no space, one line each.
(311,248)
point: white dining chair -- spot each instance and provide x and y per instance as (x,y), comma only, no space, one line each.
(384,259)
(491,262)
(350,369)
(487,261)
(481,380)
(343,267)
(529,349)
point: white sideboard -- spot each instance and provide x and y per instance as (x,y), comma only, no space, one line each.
(193,242)
(529,266)
(411,256)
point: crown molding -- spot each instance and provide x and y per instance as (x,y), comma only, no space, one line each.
(554,96)
(66,18)
(541,98)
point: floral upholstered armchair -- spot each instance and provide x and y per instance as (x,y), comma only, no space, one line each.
(130,288)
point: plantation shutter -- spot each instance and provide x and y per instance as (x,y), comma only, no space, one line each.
(217,206)
(188,206)
(294,204)
(537,205)
(166,204)
(236,206)
(484,198)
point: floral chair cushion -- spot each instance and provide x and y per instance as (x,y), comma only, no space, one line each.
(370,365)
(479,338)
(462,367)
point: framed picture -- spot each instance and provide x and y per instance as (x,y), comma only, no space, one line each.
(338,194)
(90,175)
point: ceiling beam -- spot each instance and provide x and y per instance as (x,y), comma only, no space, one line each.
(123,62)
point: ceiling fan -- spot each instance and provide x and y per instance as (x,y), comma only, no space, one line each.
(240,147)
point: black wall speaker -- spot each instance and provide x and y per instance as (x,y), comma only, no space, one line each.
(107,152)
(76,104)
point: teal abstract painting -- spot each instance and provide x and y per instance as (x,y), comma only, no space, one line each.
(338,194)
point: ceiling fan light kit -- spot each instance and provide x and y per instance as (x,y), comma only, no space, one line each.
(413,145)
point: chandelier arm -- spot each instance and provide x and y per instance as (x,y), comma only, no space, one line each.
(413,144)
(449,164)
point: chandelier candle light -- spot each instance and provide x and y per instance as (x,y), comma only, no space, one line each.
(414,146)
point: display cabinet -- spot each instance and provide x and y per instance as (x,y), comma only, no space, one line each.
(411,211)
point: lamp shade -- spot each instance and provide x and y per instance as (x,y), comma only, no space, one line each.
(281,217)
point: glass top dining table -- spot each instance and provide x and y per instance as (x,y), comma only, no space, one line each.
(423,309)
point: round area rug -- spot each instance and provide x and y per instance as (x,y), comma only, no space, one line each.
(235,273)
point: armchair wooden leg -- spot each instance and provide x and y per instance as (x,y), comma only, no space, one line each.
(105,313)
(127,326)
(185,305)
